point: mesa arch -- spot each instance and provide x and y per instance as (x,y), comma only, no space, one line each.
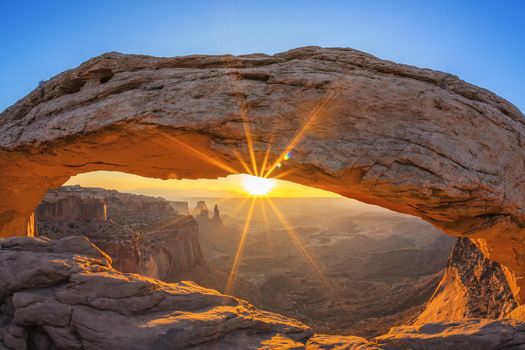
(412,140)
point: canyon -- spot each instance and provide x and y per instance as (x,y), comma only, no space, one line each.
(381,267)
(369,252)
(142,234)
(367,269)
(412,140)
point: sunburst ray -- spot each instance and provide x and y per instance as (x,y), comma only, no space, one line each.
(249,139)
(200,154)
(266,157)
(243,162)
(267,235)
(235,211)
(298,244)
(316,113)
(283,174)
(240,249)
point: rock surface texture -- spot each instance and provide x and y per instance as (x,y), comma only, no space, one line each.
(141,234)
(472,287)
(64,294)
(412,140)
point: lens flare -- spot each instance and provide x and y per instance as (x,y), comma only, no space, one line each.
(257,186)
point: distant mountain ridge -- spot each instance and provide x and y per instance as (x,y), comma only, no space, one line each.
(179,194)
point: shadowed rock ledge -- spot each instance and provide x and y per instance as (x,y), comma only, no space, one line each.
(64,294)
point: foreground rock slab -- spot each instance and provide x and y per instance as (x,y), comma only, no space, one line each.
(64,294)
(472,334)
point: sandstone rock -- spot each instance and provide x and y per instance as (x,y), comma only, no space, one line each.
(412,140)
(97,307)
(249,339)
(472,287)
(142,234)
(203,215)
(475,334)
(180,207)
(81,302)
(471,334)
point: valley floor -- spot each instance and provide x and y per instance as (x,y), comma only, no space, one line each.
(365,271)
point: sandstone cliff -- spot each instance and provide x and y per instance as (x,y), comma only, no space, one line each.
(473,286)
(64,295)
(142,234)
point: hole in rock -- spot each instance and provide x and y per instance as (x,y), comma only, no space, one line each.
(336,264)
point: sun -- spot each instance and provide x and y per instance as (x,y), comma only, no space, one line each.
(257,186)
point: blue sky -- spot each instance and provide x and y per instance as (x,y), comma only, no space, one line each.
(481,41)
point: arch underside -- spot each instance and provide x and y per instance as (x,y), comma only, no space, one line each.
(412,140)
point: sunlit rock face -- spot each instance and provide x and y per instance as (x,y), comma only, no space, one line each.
(472,287)
(413,140)
(142,234)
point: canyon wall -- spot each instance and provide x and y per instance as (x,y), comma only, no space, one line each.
(412,140)
(142,234)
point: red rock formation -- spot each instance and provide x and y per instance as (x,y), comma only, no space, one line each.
(142,234)
(73,208)
(216,218)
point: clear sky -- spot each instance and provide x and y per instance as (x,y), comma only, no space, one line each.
(481,41)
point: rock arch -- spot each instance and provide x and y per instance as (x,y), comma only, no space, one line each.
(413,140)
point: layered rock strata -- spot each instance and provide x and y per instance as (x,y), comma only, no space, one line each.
(142,234)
